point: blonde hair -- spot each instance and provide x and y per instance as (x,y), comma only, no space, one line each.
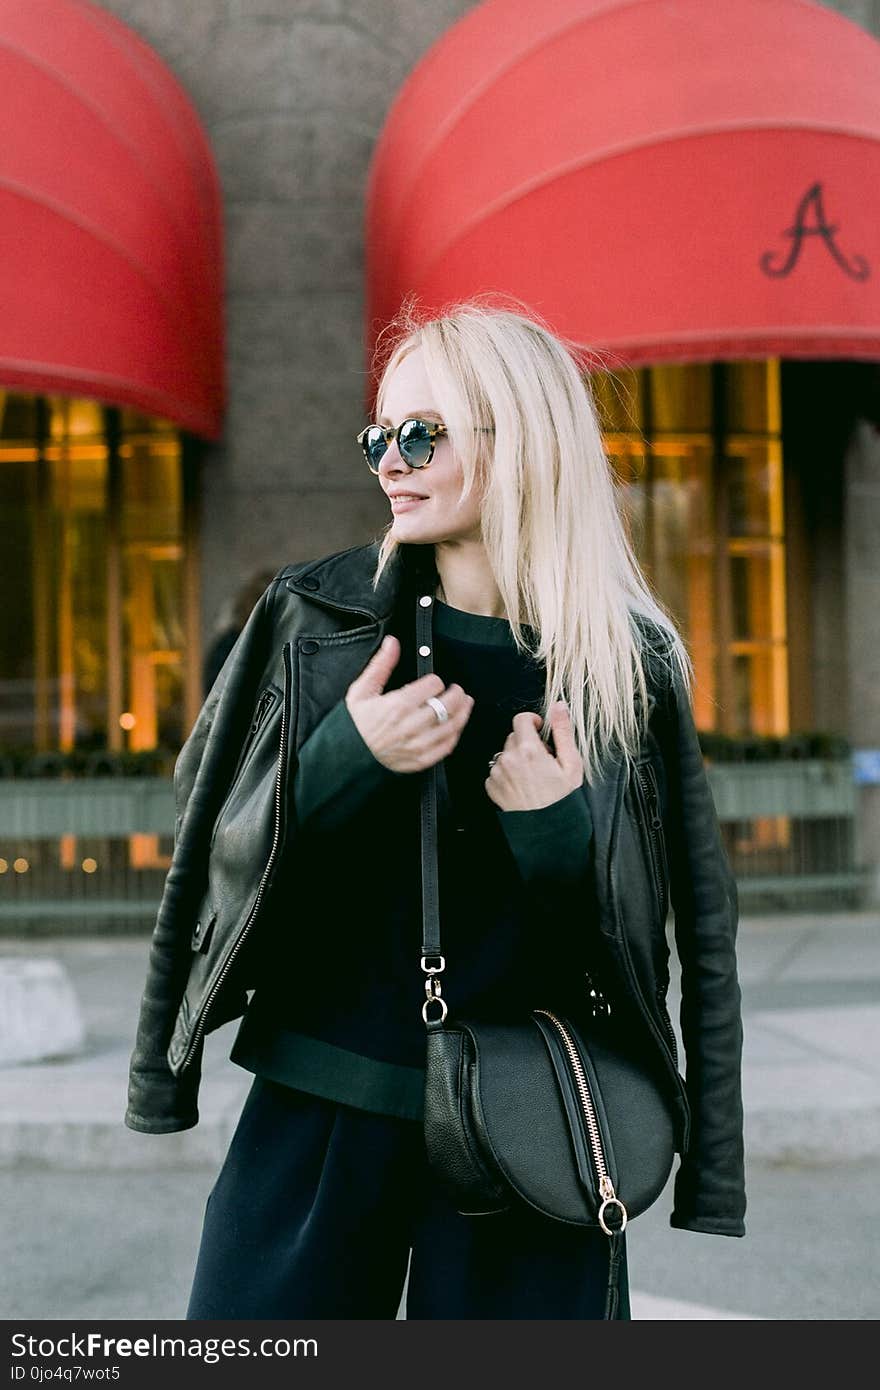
(550,520)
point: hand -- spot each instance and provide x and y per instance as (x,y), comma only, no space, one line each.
(526,775)
(400,730)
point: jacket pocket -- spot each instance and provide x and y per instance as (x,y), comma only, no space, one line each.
(648,796)
(203,930)
(267,701)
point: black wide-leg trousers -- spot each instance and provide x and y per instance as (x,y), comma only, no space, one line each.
(318,1205)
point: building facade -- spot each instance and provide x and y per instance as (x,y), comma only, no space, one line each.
(752,487)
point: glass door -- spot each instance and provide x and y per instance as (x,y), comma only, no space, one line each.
(698,453)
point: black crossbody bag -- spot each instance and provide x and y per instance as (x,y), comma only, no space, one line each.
(557,1110)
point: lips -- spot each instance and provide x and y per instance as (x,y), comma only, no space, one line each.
(399,505)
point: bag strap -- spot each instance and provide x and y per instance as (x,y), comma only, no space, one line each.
(430,885)
(431,909)
(432,962)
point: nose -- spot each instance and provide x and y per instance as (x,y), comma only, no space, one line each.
(392,463)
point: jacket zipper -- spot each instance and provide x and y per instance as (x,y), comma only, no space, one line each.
(264,705)
(655,830)
(276,839)
(591,1119)
(658,1032)
(667,1025)
(661,1034)
(265,702)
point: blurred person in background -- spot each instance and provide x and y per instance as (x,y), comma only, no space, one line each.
(230,625)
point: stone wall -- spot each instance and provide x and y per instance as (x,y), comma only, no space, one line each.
(293,94)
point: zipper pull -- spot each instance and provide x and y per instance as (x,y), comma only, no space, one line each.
(259,713)
(610,1199)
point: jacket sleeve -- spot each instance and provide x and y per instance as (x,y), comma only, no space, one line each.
(158,1101)
(550,843)
(551,847)
(710,1181)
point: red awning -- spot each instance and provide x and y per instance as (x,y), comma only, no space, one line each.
(110,220)
(661,179)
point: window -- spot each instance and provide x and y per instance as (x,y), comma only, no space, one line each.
(92,640)
(698,453)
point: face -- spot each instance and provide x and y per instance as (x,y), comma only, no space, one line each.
(439,516)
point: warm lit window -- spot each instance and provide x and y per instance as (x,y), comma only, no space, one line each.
(92,625)
(698,451)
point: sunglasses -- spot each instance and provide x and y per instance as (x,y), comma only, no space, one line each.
(415,441)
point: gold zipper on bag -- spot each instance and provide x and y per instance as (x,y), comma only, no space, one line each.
(606,1187)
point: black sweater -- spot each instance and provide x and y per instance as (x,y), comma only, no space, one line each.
(338,1012)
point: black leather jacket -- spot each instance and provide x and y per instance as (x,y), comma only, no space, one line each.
(656,843)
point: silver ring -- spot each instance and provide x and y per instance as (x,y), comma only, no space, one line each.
(493,761)
(438,707)
(612,1202)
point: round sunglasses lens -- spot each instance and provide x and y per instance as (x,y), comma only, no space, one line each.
(414,442)
(374,445)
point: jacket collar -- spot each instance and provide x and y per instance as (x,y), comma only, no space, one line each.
(345,579)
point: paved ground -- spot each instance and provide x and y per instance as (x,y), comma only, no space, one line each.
(102,1221)
(108,1245)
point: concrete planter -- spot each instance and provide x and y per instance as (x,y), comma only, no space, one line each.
(40,1016)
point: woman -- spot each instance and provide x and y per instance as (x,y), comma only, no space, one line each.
(557,678)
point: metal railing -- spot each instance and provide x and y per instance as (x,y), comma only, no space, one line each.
(789,827)
(87,849)
(98,848)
